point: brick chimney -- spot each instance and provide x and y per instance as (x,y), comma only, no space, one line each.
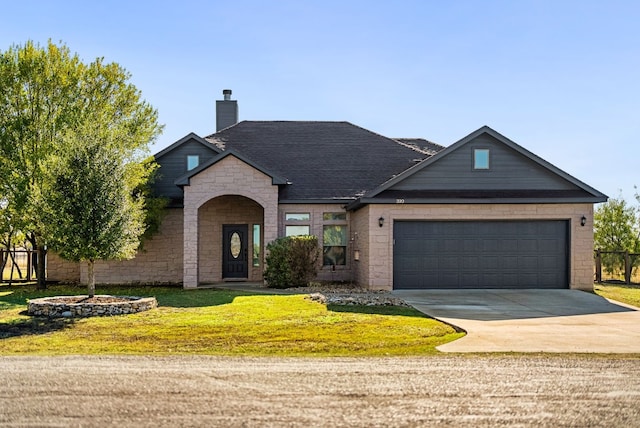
(226,111)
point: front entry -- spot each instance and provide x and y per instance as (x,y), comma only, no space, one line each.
(235,251)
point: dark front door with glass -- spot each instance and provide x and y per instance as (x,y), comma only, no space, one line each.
(235,251)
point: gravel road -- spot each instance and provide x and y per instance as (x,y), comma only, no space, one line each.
(356,392)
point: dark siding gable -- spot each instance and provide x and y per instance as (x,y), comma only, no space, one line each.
(515,175)
(173,164)
(509,170)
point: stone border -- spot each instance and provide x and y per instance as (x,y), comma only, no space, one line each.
(48,307)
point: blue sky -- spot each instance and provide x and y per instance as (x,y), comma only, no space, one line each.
(560,78)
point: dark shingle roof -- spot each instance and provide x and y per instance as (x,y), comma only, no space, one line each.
(322,160)
(429,147)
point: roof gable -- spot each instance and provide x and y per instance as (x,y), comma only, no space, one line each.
(172,163)
(515,173)
(189,138)
(184,180)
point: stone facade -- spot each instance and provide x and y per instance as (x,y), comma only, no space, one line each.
(159,261)
(60,270)
(376,243)
(229,176)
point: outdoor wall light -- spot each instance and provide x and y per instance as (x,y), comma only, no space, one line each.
(356,255)
(583,221)
(381,221)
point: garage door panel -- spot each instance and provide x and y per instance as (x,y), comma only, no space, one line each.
(480,254)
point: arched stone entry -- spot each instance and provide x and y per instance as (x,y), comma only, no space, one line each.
(232,211)
(229,189)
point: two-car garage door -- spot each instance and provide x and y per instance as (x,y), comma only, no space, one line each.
(480,254)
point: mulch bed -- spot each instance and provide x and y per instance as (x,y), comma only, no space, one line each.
(86,299)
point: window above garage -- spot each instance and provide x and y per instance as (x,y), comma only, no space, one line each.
(481,159)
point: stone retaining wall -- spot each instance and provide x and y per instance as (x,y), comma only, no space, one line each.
(52,307)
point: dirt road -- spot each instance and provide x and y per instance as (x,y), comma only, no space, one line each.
(434,391)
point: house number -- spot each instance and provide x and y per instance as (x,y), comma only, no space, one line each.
(399,201)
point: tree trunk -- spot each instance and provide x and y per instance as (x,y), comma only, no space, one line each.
(41,268)
(91,287)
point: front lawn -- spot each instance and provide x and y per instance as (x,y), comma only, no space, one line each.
(629,294)
(215,322)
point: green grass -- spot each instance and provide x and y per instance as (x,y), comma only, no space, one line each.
(216,322)
(629,294)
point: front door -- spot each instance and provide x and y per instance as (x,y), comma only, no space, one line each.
(235,251)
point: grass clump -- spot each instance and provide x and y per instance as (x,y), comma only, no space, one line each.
(629,294)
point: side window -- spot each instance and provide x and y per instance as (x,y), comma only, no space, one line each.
(480,158)
(334,245)
(296,230)
(334,238)
(192,161)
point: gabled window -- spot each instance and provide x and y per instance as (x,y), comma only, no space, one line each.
(480,158)
(192,161)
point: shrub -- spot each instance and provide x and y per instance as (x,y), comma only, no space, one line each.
(292,261)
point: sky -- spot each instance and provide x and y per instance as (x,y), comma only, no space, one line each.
(558,77)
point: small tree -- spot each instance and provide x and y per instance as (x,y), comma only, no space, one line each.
(616,229)
(89,207)
(292,261)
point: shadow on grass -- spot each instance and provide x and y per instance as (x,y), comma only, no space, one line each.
(378,310)
(33,326)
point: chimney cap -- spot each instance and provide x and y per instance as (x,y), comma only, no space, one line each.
(227,94)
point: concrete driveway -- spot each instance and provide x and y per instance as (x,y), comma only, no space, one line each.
(531,320)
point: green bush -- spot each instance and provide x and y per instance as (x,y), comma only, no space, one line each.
(292,261)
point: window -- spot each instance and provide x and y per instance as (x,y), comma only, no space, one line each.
(334,216)
(296,230)
(192,161)
(481,159)
(256,245)
(334,241)
(297,216)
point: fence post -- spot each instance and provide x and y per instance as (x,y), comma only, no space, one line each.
(598,266)
(627,268)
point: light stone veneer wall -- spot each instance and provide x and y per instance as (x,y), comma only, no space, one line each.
(377,247)
(316,223)
(158,262)
(62,270)
(230,176)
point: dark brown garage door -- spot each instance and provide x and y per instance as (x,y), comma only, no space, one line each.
(480,254)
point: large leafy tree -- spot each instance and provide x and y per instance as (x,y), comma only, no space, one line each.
(46,95)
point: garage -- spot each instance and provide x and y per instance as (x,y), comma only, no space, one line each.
(480,254)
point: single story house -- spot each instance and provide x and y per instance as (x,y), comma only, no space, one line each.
(390,213)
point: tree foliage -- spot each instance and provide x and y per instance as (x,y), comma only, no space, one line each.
(616,228)
(88,209)
(49,99)
(292,261)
